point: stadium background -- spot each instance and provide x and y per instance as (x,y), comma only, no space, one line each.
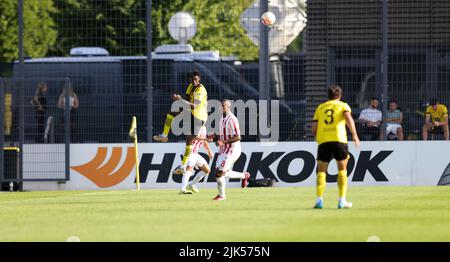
(344,42)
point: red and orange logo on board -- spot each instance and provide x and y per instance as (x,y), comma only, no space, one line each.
(103,175)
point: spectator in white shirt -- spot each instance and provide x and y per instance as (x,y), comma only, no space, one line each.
(370,119)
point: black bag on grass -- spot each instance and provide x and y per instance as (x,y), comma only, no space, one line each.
(265,182)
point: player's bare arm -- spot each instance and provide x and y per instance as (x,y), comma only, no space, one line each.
(229,141)
(208,150)
(192,105)
(206,139)
(314,128)
(351,126)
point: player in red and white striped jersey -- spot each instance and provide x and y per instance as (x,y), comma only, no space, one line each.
(229,150)
(195,160)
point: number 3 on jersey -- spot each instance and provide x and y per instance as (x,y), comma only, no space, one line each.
(330,118)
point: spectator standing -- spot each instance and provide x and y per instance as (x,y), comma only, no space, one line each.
(39,102)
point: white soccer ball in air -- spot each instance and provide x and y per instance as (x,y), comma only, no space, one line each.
(268,19)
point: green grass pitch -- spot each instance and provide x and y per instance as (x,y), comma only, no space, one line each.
(252,214)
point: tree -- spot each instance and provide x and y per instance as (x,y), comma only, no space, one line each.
(120,26)
(39,32)
(297,44)
(219,27)
(117,25)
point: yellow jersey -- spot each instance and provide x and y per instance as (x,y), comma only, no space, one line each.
(331,122)
(198,93)
(439,114)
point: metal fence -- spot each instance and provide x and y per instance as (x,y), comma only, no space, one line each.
(364,46)
(35,129)
(121,60)
(124,83)
(388,50)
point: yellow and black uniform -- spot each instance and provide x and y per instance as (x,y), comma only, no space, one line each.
(198,93)
(199,115)
(331,132)
(437,115)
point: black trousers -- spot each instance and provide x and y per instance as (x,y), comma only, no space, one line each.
(40,126)
(370,133)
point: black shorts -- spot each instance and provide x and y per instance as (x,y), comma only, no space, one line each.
(196,124)
(329,150)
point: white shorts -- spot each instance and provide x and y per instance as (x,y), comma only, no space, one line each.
(225,162)
(196,160)
(392,128)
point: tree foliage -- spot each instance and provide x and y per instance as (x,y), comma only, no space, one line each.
(53,27)
(120,26)
(219,27)
(117,25)
(39,29)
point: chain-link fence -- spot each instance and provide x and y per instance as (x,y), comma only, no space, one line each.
(345,42)
(348,42)
(110,71)
(35,129)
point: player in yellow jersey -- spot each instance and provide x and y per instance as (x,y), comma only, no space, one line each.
(197,99)
(329,129)
(436,119)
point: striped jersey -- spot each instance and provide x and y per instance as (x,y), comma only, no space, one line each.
(229,127)
(198,143)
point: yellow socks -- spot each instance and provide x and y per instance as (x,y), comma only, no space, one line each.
(321,183)
(187,153)
(168,124)
(342,183)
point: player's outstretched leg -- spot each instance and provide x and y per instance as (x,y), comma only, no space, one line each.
(167,125)
(220,178)
(188,149)
(244,182)
(204,173)
(243,176)
(187,153)
(185,180)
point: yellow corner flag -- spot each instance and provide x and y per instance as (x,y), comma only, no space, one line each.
(133,135)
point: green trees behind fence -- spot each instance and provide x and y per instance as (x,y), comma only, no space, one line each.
(40,32)
(52,27)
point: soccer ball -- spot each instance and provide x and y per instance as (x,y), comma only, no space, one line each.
(174,97)
(179,170)
(268,19)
